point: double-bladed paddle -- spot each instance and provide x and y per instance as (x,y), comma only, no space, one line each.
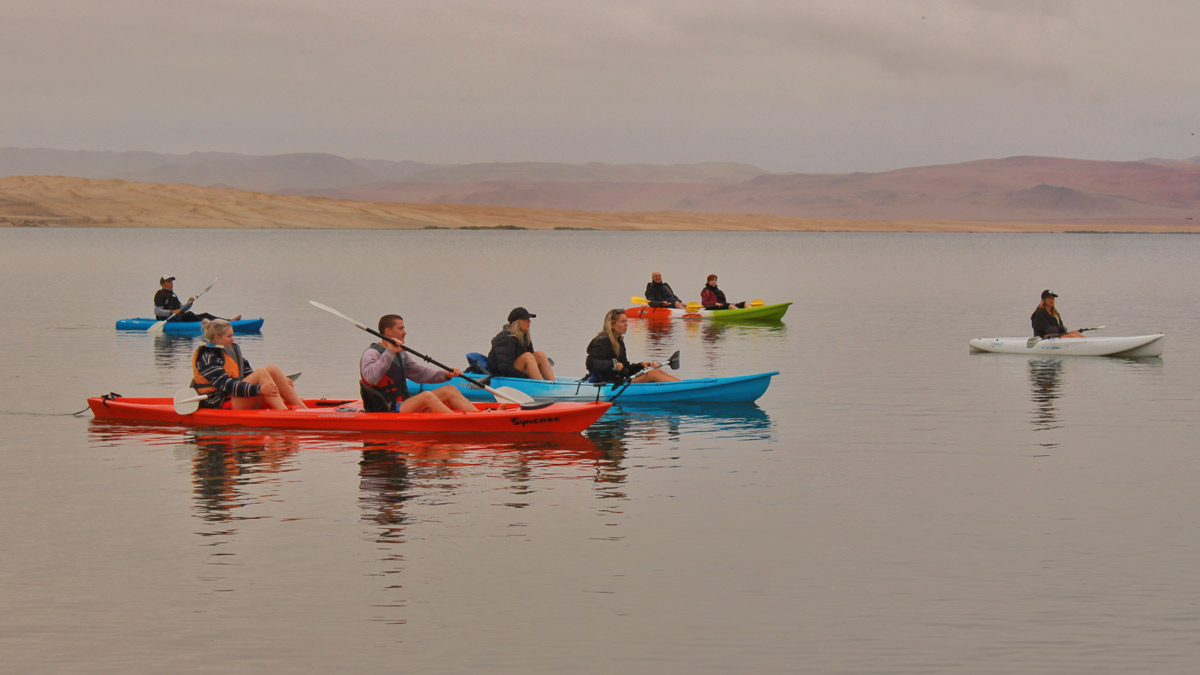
(158,327)
(506,393)
(1035,339)
(673,362)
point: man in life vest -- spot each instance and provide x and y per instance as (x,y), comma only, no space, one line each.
(167,303)
(384,369)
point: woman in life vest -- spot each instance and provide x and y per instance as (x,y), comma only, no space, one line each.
(220,370)
(512,353)
(384,371)
(606,357)
(1046,321)
(714,298)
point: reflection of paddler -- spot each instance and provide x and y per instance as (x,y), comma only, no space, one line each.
(222,459)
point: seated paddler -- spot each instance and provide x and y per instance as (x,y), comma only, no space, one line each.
(220,371)
(385,368)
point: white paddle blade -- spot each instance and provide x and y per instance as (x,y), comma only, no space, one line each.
(156,328)
(1032,341)
(187,401)
(338,314)
(511,395)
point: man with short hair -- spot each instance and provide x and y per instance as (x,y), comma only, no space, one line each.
(659,293)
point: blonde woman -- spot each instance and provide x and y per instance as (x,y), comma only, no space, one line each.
(220,370)
(607,360)
(1046,321)
(512,353)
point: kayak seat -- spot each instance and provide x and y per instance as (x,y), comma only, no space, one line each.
(477,363)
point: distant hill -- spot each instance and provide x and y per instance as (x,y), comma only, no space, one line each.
(1013,189)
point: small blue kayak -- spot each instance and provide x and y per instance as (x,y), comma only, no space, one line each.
(187,327)
(736,389)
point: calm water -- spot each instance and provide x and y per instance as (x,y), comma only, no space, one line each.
(893,504)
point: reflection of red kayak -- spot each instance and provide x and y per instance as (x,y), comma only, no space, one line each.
(347,415)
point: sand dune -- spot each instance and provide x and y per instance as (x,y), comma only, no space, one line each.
(55,201)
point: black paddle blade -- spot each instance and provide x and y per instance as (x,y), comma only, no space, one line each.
(674,361)
(536,405)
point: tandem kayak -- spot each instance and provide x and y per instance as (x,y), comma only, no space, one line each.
(737,389)
(187,327)
(761,313)
(1136,345)
(348,415)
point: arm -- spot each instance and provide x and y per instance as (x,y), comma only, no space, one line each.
(652,295)
(1044,325)
(423,373)
(211,365)
(374,365)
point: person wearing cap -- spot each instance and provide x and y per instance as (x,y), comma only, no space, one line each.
(167,303)
(659,293)
(714,298)
(385,370)
(512,353)
(1046,321)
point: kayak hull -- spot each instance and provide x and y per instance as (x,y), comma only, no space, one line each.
(773,312)
(348,415)
(187,327)
(1133,346)
(738,389)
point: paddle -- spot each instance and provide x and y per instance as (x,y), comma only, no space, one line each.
(507,393)
(158,327)
(673,362)
(187,401)
(1035,339)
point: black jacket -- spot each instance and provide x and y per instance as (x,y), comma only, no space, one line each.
(1046,325)
(660,294)
(506,348)
(601,358)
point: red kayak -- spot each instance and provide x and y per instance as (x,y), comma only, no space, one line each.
(348,415)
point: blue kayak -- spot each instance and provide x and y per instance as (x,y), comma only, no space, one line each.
(736,389)
(187,327)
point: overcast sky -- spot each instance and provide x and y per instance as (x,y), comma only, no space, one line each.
(787,85)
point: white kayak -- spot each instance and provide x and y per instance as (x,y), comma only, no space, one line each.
(1135,345)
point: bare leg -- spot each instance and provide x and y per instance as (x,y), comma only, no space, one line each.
(259,377)
(286,390)
(453,398)
(655,376)
(425,401)
(543,364)
(527,364)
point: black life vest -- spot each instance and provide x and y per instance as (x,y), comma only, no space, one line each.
(393,387)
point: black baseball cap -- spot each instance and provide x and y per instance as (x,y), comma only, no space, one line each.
(1049,294)
(519,313)
(164,280)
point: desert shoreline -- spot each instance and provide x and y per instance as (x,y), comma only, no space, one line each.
(56,201)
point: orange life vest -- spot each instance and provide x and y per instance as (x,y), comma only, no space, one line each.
(201,384)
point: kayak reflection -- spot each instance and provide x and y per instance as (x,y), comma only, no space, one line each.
(656,424)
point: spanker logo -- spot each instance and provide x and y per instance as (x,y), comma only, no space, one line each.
(526,421)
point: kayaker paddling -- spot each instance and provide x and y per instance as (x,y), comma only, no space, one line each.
(167,303)
(384,368)
(659,293)
(220,370)
(512,353)
(1046,321)
(607,360)
(712,297)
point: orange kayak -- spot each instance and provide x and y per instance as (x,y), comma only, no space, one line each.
(348,415)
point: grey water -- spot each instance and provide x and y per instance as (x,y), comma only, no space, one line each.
(893,504)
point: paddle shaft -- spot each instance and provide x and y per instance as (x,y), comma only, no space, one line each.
(673,362)
(414,352)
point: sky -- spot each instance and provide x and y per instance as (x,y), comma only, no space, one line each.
(786,85)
